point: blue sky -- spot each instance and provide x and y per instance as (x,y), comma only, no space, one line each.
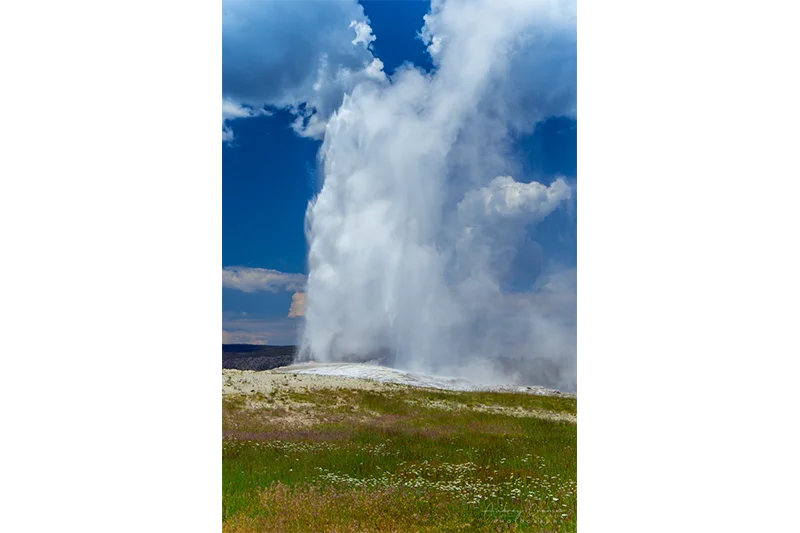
(270,172)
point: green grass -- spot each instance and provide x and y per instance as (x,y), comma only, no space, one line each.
(369,461)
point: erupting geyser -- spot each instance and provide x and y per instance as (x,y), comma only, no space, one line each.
(423,206)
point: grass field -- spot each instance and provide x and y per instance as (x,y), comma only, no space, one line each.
(300,457)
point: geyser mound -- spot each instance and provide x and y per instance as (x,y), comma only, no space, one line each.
(375,372)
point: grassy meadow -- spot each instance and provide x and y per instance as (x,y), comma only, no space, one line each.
(311,459)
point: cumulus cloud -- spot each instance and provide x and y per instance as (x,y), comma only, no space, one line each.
(295,55)
(248,279)
(298,307)
(423,204)
(505,197)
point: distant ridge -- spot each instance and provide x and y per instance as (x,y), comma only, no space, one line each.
(257,356)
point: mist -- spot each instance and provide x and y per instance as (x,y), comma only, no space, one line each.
(423,218)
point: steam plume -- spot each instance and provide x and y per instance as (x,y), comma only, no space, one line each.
(419,217)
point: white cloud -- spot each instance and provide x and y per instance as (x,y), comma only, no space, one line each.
(296,56)
(504,197)
(363,33)
(298,307)
(227,133)
(231,111)
(247,279)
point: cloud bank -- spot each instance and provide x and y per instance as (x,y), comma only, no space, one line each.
(247,279)
(423,207)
